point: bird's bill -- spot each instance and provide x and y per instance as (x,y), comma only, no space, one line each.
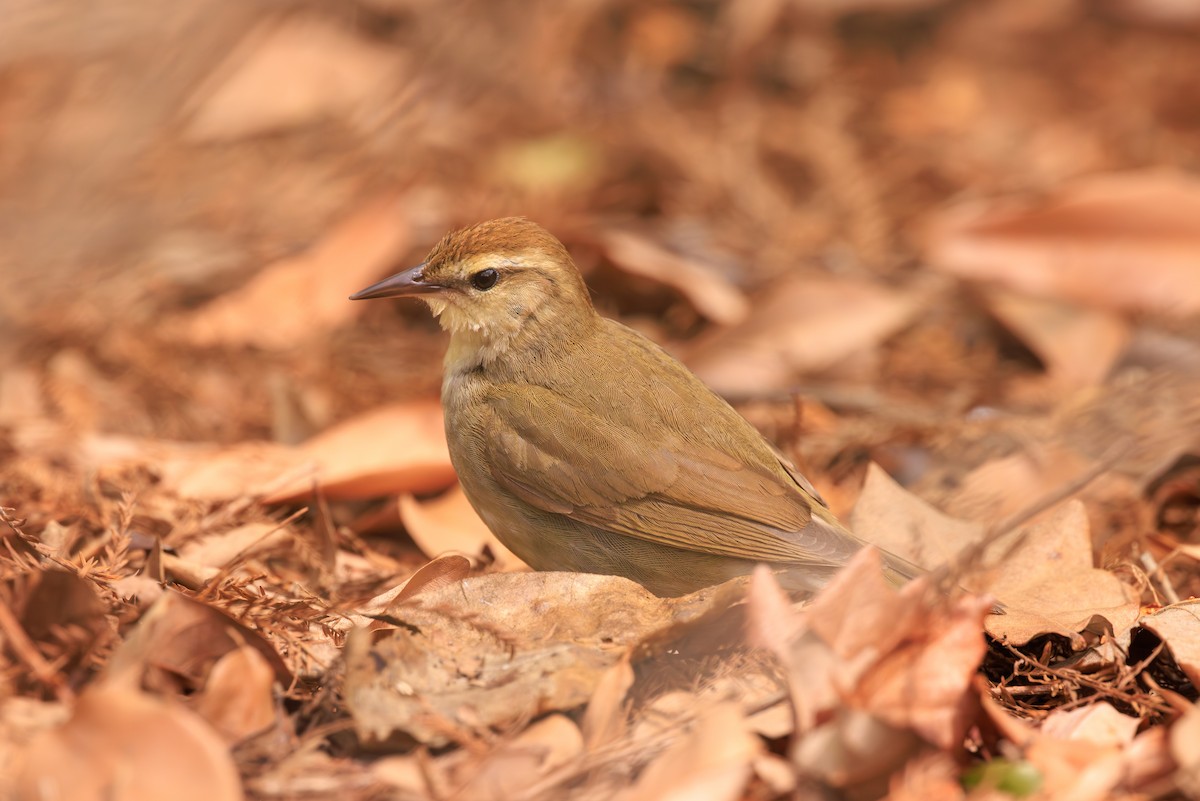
(400,285)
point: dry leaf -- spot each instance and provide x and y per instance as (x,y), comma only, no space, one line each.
(854,749)
(705,289)
(296,299)
(1098,723)
(1178,625)
(1077,770)
(1183,738)
(123,745)
(892,518)
(606,719)
(1007,485)
(1050,586)
(218,550)
(441,572)
(871,667)
(389,451)
(1126,242)
(288,73)
(177,642)
(1078,346)
(804,325)
(924,685)
(510,769)
(215,473)
(448,523)
(238,698)
(498,648)
(713,761)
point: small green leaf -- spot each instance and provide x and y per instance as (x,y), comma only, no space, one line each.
(1018,779)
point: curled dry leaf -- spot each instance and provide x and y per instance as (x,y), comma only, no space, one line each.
(286,73)
(441,572)
(1050,586)
(293,300)
(711,762)
(388,451)
(1078,346)
(499,648)
(711,295)
(509,770)
(449,523)
(924,684)
(873,670)
(1127,242)
(238,698)
(805,325)
(175,645)
(121,744)
(891,517)
(605,719)
(1178,625)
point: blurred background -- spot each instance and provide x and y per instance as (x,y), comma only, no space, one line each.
(908,213)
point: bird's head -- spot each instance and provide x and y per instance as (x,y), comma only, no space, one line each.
(491,281)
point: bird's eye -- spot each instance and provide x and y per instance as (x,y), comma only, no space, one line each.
(485,279)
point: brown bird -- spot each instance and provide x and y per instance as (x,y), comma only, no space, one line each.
(586,447)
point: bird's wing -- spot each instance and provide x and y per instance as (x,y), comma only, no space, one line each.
(661,487)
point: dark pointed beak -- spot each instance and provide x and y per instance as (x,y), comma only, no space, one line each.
(400,285)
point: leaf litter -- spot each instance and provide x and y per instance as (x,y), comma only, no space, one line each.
(236,562)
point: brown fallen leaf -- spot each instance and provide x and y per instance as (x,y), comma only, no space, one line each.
(448,523)
(1178,625)
(1126,242)
(499,648)
(804,325)
(215,473)
(1078,346)
(1099,723)
(1050,585)
(712,761)
(238,699)
(293,300)
(1095,756)
(1182,742)
(287,73)
(510,769)
(711,295)
(121,744)
(1076,769)
(441,572)
(874,672)
(606,719)
(391,450)
(176,644)
(892,518)
(218,550)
